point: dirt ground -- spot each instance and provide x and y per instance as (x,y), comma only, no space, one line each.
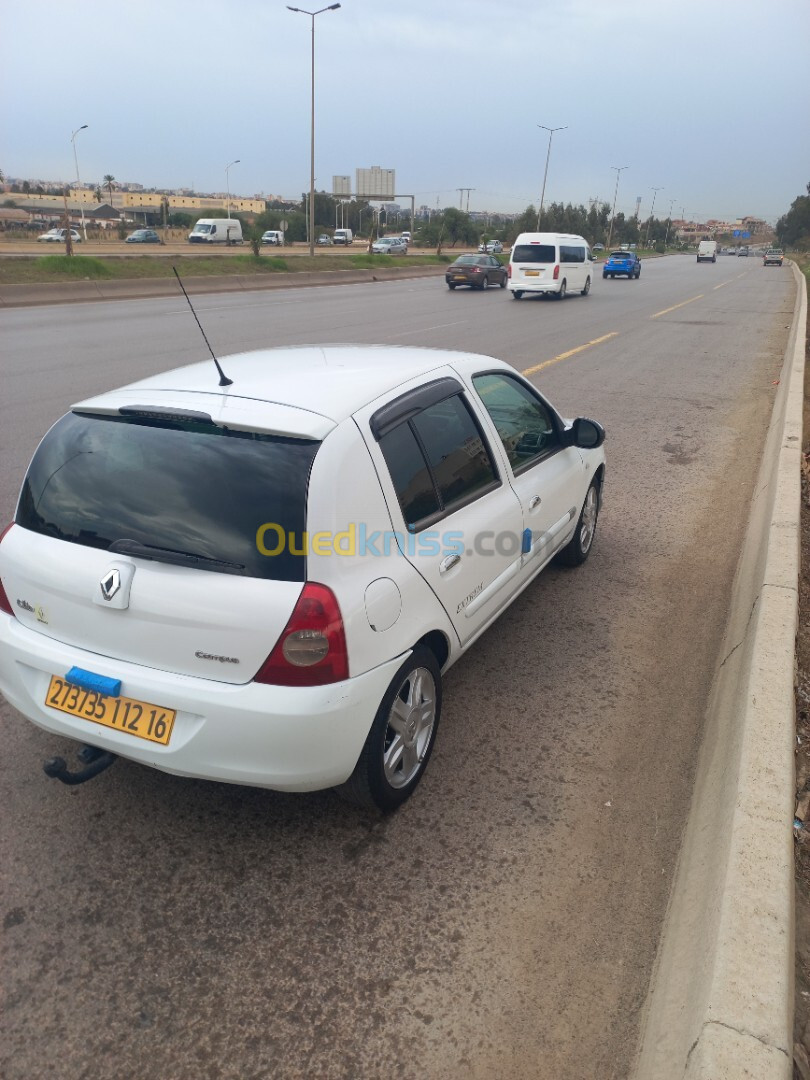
(801,1025)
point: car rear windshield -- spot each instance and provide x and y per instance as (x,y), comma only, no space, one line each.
(187,487)
(534,253)
(469,260)
(620,255)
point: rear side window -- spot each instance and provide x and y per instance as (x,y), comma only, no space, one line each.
(534,253)
(185,487)
(438,461)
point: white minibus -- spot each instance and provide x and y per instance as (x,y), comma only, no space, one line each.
(556,263)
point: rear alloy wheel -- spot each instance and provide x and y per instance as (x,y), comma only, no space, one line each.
(503,282)
(517,294)
(587,288)
(485,282)
(578,548)
(561,293)
(400,742)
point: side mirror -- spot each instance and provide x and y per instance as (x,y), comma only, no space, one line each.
(587,434)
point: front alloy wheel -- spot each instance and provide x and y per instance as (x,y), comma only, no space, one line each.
(587,288)
(578,548)
(400,742)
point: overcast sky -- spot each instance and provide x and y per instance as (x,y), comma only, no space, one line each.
(707,99)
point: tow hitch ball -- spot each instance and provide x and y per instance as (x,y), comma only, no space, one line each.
(94,760)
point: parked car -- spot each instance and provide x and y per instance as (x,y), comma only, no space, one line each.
(273,236)
(57,236)
(390,245)
(622,263)
(324,240)
(153,608)
(143,236)
(491,246)
(773,257)
(479,271)
(598,247)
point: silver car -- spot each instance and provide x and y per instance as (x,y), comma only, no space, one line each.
(390,245)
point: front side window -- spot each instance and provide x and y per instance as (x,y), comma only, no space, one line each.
(438,461)
(524,423)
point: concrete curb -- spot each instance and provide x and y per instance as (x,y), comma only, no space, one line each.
(142,288)
(720,1004)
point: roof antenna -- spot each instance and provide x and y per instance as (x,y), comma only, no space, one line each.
(223,379)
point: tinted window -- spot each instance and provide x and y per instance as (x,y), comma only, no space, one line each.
(534,253)
(572,253)
(189,487)
(524,423)
(467,260)
(455,450)
(412,480)
(438,460)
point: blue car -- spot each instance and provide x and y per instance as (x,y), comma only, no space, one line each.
(622,262)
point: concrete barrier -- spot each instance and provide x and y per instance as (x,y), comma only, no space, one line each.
(136,288)
(720,1005)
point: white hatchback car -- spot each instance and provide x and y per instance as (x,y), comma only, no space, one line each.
(261,583)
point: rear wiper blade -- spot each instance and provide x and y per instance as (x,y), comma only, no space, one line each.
(169,555)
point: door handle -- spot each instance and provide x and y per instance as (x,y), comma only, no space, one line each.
(448,563)
(535,500)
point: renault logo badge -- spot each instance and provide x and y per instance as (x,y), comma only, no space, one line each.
(110,584)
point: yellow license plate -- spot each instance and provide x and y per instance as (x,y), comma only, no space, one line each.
(532,273)
(459,277)
(138,718)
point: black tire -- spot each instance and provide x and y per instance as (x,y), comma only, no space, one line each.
(503,282)
(578,548)
(604,276)
(638,275)
(451,285)
(371,784)
(485,282)
(587,288)
(517,294)
(561,294)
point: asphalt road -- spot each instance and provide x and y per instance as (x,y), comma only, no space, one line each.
(504,923)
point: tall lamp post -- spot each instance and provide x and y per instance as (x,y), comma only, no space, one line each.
(78,181)
(655,191)
(228,185)
(619,170)
(545,174)
(312,14)
(669,222)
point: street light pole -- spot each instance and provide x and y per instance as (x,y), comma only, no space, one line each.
(655,191)
(545,174)
(228,187)
(669,222)
(312,14)
(619,170)
(78,181)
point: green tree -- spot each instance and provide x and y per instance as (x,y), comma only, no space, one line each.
(794,227)
(109,181)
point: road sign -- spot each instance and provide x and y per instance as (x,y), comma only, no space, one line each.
(283,226)
(736,232)
(746,235)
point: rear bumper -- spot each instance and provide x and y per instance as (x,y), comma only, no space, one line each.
(285,738)
(533,286)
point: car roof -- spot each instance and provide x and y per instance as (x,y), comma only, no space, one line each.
(302,391)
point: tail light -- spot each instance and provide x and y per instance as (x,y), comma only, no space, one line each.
(509,271)
(476,269)
(312,648)
(557,271)
(5,603)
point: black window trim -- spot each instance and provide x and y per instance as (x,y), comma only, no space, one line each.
(406,415)
(556,419)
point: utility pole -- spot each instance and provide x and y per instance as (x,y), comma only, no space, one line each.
(669,222)
(461,191)
(545,174)
(619,170)
(655,191)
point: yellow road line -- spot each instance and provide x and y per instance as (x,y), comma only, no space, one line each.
(676,306)
(571,352)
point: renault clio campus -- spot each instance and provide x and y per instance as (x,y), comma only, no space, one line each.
(262,582)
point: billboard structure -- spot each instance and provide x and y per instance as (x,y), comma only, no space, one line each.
(341,185)
(375,183)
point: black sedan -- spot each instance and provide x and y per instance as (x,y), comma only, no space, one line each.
(143,236)
(478,271)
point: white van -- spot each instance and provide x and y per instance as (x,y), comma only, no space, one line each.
(707,250)
(273,236)
(342,236)
(556,263)
(216,231)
